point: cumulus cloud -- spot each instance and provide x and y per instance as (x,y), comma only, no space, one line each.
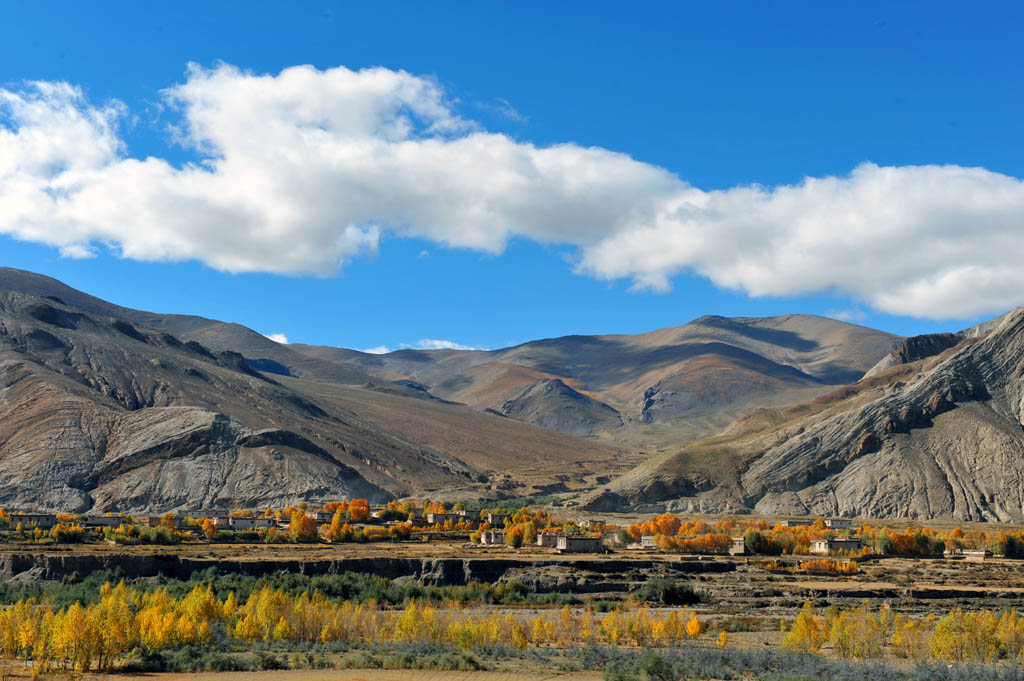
(277,338)
(927,241)
(301,171)
(379,350)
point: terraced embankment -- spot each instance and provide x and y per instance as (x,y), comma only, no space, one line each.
(564,575)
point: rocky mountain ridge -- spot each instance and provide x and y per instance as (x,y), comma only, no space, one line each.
(98,413)
(940,435)
(101,411)
(644,392)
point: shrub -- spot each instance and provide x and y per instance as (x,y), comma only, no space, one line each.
(266,661)
(666,592)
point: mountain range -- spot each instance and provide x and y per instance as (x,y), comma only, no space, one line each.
(935,429)
(108,408)
(653,389)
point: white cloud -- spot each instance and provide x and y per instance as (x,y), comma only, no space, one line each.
(503,107)
(422,344)
(434,344)
(304,170)
(849,315)
(277,337)
(927,241)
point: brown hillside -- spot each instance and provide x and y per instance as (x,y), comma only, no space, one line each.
(941,436)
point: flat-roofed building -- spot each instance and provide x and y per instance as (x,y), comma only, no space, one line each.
(497,519)
(976,555)
(251,523)
(491,537)
(548,540)
(197,513)
(828,547)
(43,521)
(838,523)
(578,544)
(738,547)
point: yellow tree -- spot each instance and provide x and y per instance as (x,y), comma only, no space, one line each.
(114,618)
(282,630)
(806,634)
(209,528)
(302,527)
(693,626)
(537,632)
(338,527)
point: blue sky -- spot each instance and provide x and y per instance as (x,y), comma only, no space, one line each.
(717,96)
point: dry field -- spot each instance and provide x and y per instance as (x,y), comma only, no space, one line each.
(920,585)
(338,675)
(359,675)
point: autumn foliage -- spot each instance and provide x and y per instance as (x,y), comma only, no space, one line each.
(100,635)
(866,632)
(835,567)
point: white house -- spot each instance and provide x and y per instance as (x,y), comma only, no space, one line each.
(251,523)
(827,547)
(492,537)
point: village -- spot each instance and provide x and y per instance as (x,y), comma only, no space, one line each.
(356,521)
(348,575)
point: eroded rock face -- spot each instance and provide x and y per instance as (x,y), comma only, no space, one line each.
(101,414)
(66,453)
(941,437)
(916,348)
(949,443)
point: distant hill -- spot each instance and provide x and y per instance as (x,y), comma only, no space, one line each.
(666,385)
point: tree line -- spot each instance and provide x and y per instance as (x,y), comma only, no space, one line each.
(867,632)
(124,620)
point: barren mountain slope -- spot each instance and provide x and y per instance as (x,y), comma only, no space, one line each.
(553,404)
(666,386)
(98,412)
(692,379)
(940,436)
(259,350)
